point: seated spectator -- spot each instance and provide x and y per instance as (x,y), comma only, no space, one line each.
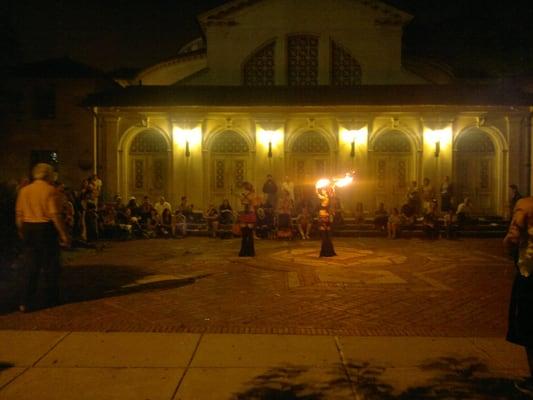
(407,215)
(430,223)
(450,225)
(212,217)
(180,225)
(464,213)
(359,213)
(133,207)
(381,217)
(153,224)
(145,210)
(393,224)
(161,205)
(184,208)
(166,224)
(225,212)
(304,221)
(264,223)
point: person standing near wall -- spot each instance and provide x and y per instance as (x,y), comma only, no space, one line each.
(270,191)
(42,230)
(519,241)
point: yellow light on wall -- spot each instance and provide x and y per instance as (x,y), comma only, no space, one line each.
(354,137)
(270,139)
(187,138)
(438,139)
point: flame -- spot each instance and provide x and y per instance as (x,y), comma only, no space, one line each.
(322,183)
(344,181)
(339,182)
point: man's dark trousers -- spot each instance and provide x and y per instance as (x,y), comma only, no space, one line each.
(41,252)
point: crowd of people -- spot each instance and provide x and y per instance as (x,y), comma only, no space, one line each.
(437,212)
(276,213)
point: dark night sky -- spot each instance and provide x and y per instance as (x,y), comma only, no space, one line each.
(470,35)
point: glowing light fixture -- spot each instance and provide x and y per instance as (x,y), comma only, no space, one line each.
(435,137)
(269,138)
(355,136)
(187,138)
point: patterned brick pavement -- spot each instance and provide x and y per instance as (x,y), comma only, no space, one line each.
(375,286)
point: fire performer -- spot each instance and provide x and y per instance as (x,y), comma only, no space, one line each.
(325,190)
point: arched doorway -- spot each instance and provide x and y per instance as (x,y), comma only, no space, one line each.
(229,167)
(310,161)
(392,168)
(148,165)
(475,176)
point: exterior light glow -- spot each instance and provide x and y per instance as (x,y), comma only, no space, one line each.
(270,139)
(187,138)
(354,137)
(437,139)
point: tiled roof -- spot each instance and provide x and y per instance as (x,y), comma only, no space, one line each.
(385,95)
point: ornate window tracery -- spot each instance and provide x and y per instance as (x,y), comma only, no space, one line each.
(392,142)
(302,60)
(475,142)
(345,70)
(259,69)
(311,142)
(148,142)
(230,142)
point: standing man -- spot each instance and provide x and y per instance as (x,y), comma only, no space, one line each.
(41,228)
(270,190)
(519,241)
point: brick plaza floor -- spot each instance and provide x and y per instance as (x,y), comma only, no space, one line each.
(374,287)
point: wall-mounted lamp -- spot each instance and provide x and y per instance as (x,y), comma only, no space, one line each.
(437,148)
(269,139)
(187,138)
(354,137)
(436,137)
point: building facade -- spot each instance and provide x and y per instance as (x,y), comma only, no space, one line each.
(290,88)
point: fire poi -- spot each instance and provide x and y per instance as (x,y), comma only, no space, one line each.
(325,190)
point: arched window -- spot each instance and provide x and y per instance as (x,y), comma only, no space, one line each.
(229,142)
(392,142)
(302,57)
(345,70)
(148,142)
(475,142)
(310,142)
(258,70)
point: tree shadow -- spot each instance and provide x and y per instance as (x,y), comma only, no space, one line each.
(288,383)
(5,365)
(91,282)
(453,379)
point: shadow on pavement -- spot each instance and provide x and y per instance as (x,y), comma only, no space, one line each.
(453,379)
(5,365)
(91,282)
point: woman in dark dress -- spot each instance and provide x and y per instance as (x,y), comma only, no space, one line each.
(519,240)
(247,221)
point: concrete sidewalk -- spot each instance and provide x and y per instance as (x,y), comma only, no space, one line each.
(74,365)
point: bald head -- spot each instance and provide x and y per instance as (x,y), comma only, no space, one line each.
(43,171)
